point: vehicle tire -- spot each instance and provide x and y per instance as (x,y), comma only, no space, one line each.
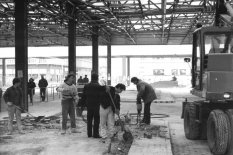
(203,132)
(191,126)
(218,132)
(230,136)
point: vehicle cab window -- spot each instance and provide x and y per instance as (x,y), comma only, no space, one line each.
(218,43)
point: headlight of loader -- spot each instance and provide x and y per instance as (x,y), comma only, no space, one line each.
(227,95)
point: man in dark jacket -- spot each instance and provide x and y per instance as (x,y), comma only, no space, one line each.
(85,80)
(31,89)
(91,98)
(147,94)
(13,99)
(80,80)
(108,109)
(42,84)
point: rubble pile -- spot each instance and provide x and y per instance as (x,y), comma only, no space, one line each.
(32,123)
(119,146)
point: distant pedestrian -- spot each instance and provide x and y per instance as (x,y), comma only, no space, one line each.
(85,80)
(80,80)
(108,111)
(31,89)
(147,94)
(174,78)
(91,98)
(69,98)
(43,85)
(13,99)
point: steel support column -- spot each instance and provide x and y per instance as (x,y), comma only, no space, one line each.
(128,71)
(95,52)
(3,71)
(164,2)
(21,47)
(109,64)
(72,46)
(124,76)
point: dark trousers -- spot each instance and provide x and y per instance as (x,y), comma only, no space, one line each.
(147,112)
(42,93)
(68,108)
(30,93)
(93,113)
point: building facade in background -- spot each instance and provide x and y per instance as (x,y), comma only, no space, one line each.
(53,69)
(149,69)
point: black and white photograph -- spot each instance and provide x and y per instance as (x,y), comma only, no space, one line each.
(116,77)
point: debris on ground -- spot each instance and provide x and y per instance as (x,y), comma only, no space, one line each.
(119,146)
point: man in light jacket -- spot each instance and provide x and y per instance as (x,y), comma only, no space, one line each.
(147,94)
(69,98)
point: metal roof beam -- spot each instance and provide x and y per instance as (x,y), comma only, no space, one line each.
(163,17)
(171,20)
(140,6)
(191,26)
(119,22)
(95,21)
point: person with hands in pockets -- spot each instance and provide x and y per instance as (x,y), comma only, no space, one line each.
(13,99)
(69,98)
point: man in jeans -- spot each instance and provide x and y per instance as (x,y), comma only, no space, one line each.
(13,99)
(69,96)
(147,94)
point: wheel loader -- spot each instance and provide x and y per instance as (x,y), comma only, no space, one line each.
(211,117)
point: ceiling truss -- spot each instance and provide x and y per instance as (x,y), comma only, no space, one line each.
(120,22)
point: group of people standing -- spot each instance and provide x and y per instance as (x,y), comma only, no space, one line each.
(43,83)
(82,80)
(102,103)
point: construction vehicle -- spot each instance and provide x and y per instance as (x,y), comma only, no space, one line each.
(211,117)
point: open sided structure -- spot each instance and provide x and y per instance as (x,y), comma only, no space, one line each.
(120,22)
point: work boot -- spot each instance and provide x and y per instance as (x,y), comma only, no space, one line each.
(63,132)
(74,130)
(97,136)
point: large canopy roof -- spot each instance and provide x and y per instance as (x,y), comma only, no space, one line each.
(120,22)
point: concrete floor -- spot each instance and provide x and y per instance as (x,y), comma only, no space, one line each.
(49,141)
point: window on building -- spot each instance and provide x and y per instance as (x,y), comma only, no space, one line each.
(158,71)
(174,71)
(182,71)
